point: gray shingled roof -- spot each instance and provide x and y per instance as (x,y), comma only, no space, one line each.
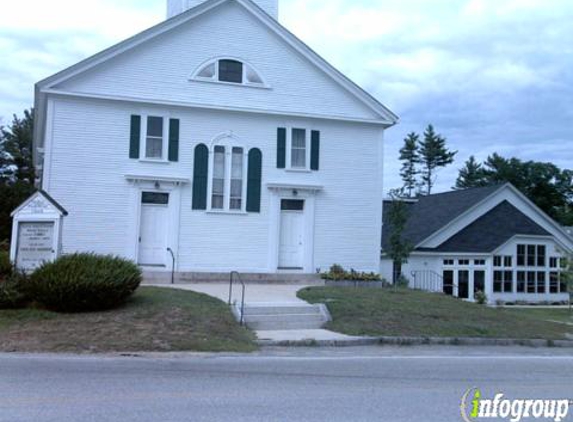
(431,213)
(492,230)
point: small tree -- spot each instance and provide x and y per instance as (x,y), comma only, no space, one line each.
(433,155)
(567,278)
(471,175)
(410,157)
(399,249)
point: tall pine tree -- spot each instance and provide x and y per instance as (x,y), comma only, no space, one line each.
(471,175)
(16,163)
(409,155)
(433,155)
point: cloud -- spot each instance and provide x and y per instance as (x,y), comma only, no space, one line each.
(491,75)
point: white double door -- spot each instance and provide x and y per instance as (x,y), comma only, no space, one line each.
(291,246)
(153,234)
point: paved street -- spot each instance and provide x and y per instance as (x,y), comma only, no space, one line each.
(355,384)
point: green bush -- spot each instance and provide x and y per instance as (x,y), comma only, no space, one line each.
(480,298)
(337,272)
(84,283)
(5,264)
(12,291)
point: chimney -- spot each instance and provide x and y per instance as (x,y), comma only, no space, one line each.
(175,7)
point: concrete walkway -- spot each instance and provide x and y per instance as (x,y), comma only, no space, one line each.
(268,294)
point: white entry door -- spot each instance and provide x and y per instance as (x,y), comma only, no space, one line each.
(291,247)
(153,229)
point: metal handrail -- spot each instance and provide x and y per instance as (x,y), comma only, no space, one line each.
(172,265)
(235,274)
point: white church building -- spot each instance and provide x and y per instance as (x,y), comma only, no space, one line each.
(219,137)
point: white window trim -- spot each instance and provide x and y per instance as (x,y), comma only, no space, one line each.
(215,78)
(308,132)
(143,139)
(228,141)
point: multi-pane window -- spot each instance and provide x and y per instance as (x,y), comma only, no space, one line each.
(503,281)
(531,255)
(541,254)
(298,148)
(503,261)
(553,262)
(449,262)
(237,179)
(531,282)
(231,71)
(228,178)
(463,262)
(521,255)
(218,194)
(540,282)
(521,282)
(554,282)
(479,262)
(154,138)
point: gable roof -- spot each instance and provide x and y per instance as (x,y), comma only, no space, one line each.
(484,232)
(430,213)
(387,117)
(492,230)
(47,197)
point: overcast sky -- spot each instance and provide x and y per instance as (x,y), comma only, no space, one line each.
(491,75)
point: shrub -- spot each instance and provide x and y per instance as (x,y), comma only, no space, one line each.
(5,264)
(12,291)
(84,283)
(337,273)
(480,297)
(403,282)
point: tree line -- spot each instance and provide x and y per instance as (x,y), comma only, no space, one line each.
(17,173)
(547,185)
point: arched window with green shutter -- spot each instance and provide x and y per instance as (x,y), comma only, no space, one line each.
(200,177)
(255,173)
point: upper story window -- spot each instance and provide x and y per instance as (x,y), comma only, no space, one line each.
(231,71)
(531,255)
(154,138)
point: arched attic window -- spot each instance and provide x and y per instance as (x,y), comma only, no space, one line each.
(229,70)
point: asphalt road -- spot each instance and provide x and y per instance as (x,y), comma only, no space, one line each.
(350,385)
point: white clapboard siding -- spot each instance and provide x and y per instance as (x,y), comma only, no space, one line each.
(87,160)
(160,69)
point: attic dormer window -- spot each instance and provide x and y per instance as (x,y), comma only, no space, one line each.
(231,71)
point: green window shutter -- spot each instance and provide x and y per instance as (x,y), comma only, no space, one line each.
(200,175)
(255,174)
(174,140)
(315,150)
(281,148)
(135,137)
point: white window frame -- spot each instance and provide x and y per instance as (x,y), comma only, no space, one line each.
(165,140)
(229,142)
(308,139)
(215,78)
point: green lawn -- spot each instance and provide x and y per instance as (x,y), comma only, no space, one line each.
(402,312)
(155,319)
(561,315)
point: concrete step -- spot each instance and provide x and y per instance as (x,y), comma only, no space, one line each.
(282,310)
(283,317)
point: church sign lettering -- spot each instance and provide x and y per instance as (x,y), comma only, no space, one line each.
(35,244)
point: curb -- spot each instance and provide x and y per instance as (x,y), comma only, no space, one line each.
(418,341)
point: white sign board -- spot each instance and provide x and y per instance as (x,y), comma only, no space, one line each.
(35,244)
